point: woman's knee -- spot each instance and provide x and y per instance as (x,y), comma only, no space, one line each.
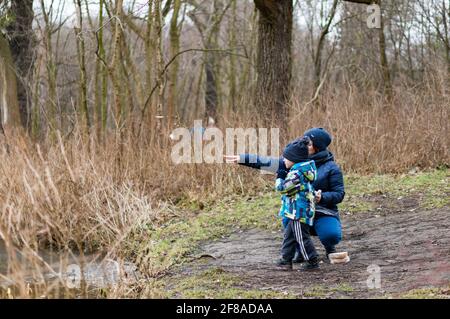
(331,237)
(329,231)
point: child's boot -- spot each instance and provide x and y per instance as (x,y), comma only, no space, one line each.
(284,264)
(298,259)
(310,264)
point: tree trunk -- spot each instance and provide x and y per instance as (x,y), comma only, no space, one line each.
(174,49)
(211,96)
(384,62)
(232,68)
(445,15)
(114,67)
(158,22)
(101,75)
(54,119)
(81,52)
(20,34)
(9,107)
(274,60)
(211,84)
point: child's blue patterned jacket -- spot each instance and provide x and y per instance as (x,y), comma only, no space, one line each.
(297,201)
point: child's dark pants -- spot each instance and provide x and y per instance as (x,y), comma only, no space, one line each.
(296,232)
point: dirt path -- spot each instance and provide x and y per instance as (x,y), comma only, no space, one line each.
(412,248)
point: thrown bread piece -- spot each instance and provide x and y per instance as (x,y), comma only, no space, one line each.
(339,258)
(342,255)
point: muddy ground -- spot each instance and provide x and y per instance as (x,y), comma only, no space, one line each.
(410,245)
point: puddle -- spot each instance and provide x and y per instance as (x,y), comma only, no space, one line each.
(71,270)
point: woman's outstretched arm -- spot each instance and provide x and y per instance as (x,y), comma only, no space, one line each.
(270,164)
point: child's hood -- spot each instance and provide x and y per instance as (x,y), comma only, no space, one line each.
(308,169)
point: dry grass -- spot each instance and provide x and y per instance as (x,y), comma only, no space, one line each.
(67,197)
(79,196)
(371,136)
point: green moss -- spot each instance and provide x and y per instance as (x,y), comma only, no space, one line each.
(343,288)
(436,180)
(435,202)
(364,185)
(316,292)
(427,293)
(259,212)
(356,205)
(217,283)
(323,292)
(432,188)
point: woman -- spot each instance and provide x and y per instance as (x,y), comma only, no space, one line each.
(329,186)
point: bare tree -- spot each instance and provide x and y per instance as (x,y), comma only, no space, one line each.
(319,23)
(207,20)
(81,52)
(382,49)
(175,30)
(437,14)
(9,106)
(21,42)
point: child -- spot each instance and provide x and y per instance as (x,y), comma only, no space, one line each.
(291,186)
(298,204)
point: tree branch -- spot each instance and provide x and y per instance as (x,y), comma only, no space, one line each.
(165,70)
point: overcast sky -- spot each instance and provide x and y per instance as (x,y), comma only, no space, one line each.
(67,7)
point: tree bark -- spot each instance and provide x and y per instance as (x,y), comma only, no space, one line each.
(114,69)
(211,84)
(211,96)
(20,34)
(101,74)
(384,63)
(9,106)
(81,51)
(232,67)
(274,59)
(174,49)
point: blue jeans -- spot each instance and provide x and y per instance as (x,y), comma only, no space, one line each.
(328,228)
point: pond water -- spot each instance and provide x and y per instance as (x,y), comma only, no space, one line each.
(93,269)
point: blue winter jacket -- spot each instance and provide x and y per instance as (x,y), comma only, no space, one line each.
(297,201)
(329,177)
